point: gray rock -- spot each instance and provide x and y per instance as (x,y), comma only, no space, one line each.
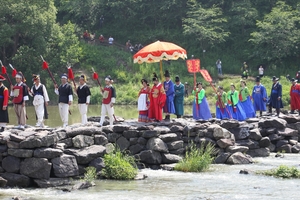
(287,148)
(287,132)
(281,142)
(61,134)
(179,151)
(123,143)
(296,148)
(65,166)
(221,133)
(240,133)
(81,141)
(150,157)
(38,141)
(264,142)
(293,142)
(52,182)
(20,153)
(168,167)
(224,143)
(3,148)
(68,142)
(98,163)
(47,153)
(270,131)
(137,148)
(100,140)
(3,182)
(272,122)
(175,145)
(13,145)
(16,138)
(255,134)
(162,129)
(272,147)
(36,168)
(120,128)
(205,141)
(234,149)
(150,133)
(261,152)
(83,131)
(251,144)
(131,134)
(157,144)
(109,148)
(82,185)
(222,158)
(16,180)
(239,158)
(227,124)
(113,137)
(61,146)
(168,158)
(142,141)
(290,119)
(169,137)
(176,128)
(11,164)
(275,137)
(133,141)
(86,154)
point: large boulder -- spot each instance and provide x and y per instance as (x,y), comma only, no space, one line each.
(11,164)
(16,180)
(162,129)
(123,143)
(20,153)
(36,168)
(81,141)
(150,157)
(47,153)
(137,148)
(275,137)
(240,133)
(264,142)
(175,145)
(287,132)
(169,137)
(65,166)
(39,141)
(254,134)
(3,182)
(228,124)
(87,154)
(16,138)
(221,133)
(98,163)
(13,145)
(131,134)
(120,128)
(290,119)
(168,158)
(222,158)
(281,143)
(150,133)
(113,137)
(239,158)
(251,144)
(287,148)
(272,122)
(224,143)
(100,140)
(176,128)
(234,149)
(68,142)
(52,182)
(261,152)
(157,144)
(84,131)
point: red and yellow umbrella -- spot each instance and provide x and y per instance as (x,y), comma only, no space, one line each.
(158,51)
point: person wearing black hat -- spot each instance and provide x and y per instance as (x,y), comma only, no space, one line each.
(65,99)
(84,96)
(20,94)
(295,96)
(40,100)
(157,100)
(108,100)
(179,97)
(169,89)
(276,95)
(259,95)
(4,96)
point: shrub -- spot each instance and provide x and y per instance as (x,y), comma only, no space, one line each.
(119,165)
(90,174)
(282,171)
(196,159)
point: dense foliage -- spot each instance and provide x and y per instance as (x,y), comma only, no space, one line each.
(282,171)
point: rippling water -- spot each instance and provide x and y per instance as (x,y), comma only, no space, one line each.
(221,182)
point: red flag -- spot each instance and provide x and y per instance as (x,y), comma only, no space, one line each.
(206,75)
(3,70)
(70,73)
(14,73)
(193,65)
(45,65)
(95,75)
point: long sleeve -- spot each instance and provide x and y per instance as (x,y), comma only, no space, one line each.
(201,95)
(279,90)
(264,92)
(70,93)
(5,97)
(179,91)
(56,91)
(88,93)
(25,93)
(113,95)
(46,97)
(170,91)
(162,97)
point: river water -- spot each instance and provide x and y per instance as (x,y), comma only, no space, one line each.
(220,182)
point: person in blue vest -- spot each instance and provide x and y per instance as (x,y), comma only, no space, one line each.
(169,89)
(84,96)
(179,97)
(275,100)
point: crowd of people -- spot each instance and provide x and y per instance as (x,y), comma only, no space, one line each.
(90,38)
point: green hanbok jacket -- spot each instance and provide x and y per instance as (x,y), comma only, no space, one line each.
(233,97)
(200,94)
(223,98)
(244,93)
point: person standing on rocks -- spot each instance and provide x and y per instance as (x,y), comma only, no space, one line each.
(40,100)
(259,95)
(65,93)
(84,96)
(235,107)
(157,100)
(200,105)
(169,89)
(143,101)
(246,103)
(20,94)
(4,97)
(179,97)
(221,104)
(108,100)
(275,98)
(295,96)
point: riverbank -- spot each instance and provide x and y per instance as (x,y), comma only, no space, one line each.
(51,156)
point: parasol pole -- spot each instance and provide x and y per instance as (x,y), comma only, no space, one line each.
(4,72)
(161,71)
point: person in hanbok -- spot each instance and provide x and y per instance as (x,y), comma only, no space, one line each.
(246,103)
(234,104)
(275,100)
(295,96)
(200,105)
(157,100)
(259,95)
(4,97)
(179,97)
(169,89)
(143,101)
(84,97)
(221,104)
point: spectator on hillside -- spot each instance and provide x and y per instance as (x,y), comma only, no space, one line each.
(219,66)
(101,39)
(128,45)
(261,71)
(110,40)
(245,74)
(245,67)
(86,36)
(92,37)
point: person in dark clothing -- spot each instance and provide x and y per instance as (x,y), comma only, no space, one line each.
(4,97)
(84,96)
(275,100)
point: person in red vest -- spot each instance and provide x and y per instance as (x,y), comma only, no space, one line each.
(4,96)
(157,100)
(20,94)
(108,100)
(295,96)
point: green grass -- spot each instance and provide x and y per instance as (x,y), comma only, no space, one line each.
(119,165)
(282,171)
(90,174)
(196,159)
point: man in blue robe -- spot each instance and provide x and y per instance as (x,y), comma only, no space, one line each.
(259,95)
(276,96)
(169,89)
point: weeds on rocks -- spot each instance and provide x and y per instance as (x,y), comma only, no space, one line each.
(282,171)
(90,174)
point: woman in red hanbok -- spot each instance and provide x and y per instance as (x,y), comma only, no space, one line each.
(295,96)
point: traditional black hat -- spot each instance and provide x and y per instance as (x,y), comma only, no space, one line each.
(108,78)
(275,78)
(155,78)
(82,76)
(177,79)
(35,77)
(220,87)
(257,79)
(167,73)
(64,76)
(294,80)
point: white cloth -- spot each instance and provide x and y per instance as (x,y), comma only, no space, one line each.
(39,111)
(3,124)
(106,108)
(64,113)
(142,102)
(83,112)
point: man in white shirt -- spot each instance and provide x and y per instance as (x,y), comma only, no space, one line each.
(110,40)
(261,71)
